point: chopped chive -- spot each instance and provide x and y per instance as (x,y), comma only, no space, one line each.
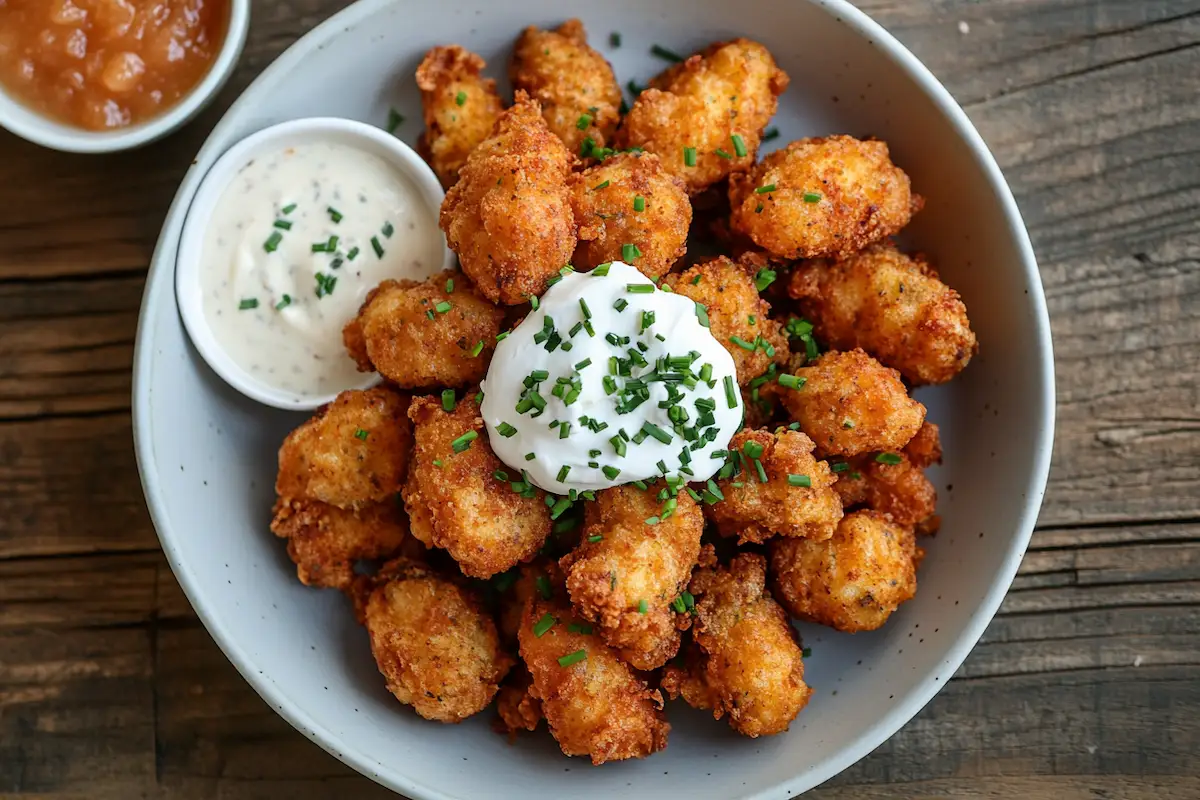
(643,606)
(665,54)
(739,145)
(639,203)
(542,584)
(272,242)
(580,627)
(702,316)
(791,381)
(583,307)
(572,658)
(628,253)
(752,449)
(437,462)
(506,430)
(387,230)
(758,208)
(658,433)
(530,456)
(248,303)
(689,156)
(562,473)
(283,224)
(449,285)
(361,434)
(477,349)
(460,98)
(841,466)
(534,302)
(730,392)
(721,154)
(564,430)
(325,284)
(806,652)
(584,122)
(762,473)
(764,278)
(799,480)
(770,187)
(334,214)
(353,254)
(889,458)
(848,423)
(610,472)
(587,362)
(601,270)
(620,304)
(771,133)
(600,186)
(442,307)
(448,401)
(678,605)
(634,89)
(464,442)
(619,446)
(742,343)
(812,197)
(639,288)
(429,313)
(652,520)
(377,247)
(284,302)
(289,208)
(544,624)
(395,120)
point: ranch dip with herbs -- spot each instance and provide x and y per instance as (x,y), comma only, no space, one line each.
(293,246)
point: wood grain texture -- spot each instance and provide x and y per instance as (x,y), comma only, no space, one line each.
(1086,685)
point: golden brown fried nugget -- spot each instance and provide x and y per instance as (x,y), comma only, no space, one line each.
(593,701)
(426,335)
(434,643)
(898,489)
(822,197)
(541,578)
(705,117)
(737,315)
(517,709)
(509,217)
(353,452)
(849,403)
(892,306)
(630,199)
(574,84)
(459,105)
(324,541)
(797,499)
(852,582)
(479,520)
(626,579)
(752,668)
(925,449)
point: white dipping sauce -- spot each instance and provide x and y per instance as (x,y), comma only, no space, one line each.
(601,378)
(296,241)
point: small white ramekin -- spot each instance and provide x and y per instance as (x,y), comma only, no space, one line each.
(190,262)
(40,129)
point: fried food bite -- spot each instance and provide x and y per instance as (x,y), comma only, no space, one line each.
(925,449)
(541,578)
(853,581)
(625,573)
(578,91)
(324,541)
(749,665)
(893,307)
(517,710)
(479,520)
(427,335)
(822,197)
(459,106)
(895,487)
(433,642)
(595,704)
(738,317)
(705,117)
(849,403)
(353,452)
(796,499)
(509,217)
(629,199)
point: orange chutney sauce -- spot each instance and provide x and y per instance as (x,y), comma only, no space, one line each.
(105,64)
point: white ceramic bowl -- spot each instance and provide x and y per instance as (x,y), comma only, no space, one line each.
(207,455)
(190,264)
(40,129)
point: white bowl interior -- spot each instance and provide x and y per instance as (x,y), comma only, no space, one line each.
(208,455)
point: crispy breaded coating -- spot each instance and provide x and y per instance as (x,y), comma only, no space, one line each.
(925,449)
(802,506)
(460,107)
(607,198)
(627,578)
(351,453)
(593,701)
(852,582)
(479,520)
(849,403)
(540,577)
(573,82)
(827,197)
(433,642)
(509,217)
(716,103)
(403,333)
(324,541)
(900,490)
(517,710)
(737,315)
(752,668)
(892,306)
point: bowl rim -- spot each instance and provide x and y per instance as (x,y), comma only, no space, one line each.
(38,128)
(887,725)
(189,256)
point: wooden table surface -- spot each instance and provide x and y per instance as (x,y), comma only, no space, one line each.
(1086,685)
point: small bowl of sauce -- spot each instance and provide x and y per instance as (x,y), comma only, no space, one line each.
(94,76)
(287,233)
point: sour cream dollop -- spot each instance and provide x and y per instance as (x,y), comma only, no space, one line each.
(611,380)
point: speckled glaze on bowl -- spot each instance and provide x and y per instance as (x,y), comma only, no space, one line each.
(207,454)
